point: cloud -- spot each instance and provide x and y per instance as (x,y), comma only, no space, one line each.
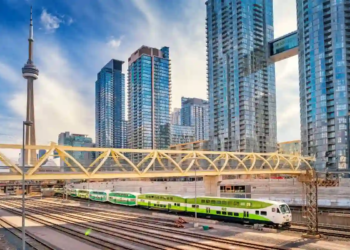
(49,21)
(69,21)
(114,42)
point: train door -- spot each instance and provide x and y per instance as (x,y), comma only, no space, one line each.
(169,207)
(149,204)
(246,214)
(208,210)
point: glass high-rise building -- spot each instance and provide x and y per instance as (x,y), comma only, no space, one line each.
(241,85)
(110,106)
(323,28)
(149,98)
(181,134)
(195,112)
(176,116)
(77,140)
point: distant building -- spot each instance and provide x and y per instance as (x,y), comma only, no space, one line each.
(149,98)
(41,153)
(192,146)
(194,112)
(110,106)
(77,140)
(181,134)
(176,116)
(289,147)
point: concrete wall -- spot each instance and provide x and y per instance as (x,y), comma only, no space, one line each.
(286,190)
(176,187)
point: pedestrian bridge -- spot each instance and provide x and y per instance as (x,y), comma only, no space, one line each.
(143,163)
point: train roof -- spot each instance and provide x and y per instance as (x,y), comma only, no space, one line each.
(106,191)
(178,195)
(123,192)
(245,199)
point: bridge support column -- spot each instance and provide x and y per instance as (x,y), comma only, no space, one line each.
(212,185)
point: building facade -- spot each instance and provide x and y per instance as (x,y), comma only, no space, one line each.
(192,146)
(149,98)
(289,147)
(241,85)
(110,106)
(181,134)
(77,140)
(195,112)
(176,116)
(324,76)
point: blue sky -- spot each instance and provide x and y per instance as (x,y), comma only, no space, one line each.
(74,39)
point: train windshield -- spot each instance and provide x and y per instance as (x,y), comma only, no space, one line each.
(285,209)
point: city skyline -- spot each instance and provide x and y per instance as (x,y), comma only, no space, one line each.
(73,97)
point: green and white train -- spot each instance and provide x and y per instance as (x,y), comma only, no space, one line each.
(249,211)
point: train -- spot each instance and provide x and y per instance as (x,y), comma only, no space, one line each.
(246,211)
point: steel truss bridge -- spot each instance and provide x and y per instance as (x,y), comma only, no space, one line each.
(122,163)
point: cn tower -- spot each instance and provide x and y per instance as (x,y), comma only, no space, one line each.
(31,73)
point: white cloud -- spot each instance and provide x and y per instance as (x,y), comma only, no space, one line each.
(69,21)
(115,42)
(49,21)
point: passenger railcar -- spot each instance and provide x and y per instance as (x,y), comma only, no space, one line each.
(83,193)
(123,198)
(73,192)
(162,201)
(102,196)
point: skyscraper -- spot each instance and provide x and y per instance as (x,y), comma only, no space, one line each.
(181,134)
(176,116)
(241,86)
(149,98)
(77,140)
(110,106)
(194,112)
(31,73)
(324,76)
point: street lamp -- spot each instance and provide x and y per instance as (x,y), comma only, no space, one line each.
(195,195)
(25,123)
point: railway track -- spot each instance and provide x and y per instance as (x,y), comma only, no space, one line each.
(31,239)
(154,231)
(325,231)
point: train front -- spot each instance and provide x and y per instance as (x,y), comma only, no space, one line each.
(286,215)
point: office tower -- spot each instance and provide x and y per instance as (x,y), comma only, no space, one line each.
(77,140)
(324,80)
(31,73)
(241,86)
(41,153)
(149,95)
(110,106)
(289,147)
(176,116)
(194,112)
(181,134)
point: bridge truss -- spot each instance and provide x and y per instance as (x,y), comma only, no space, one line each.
(142,163)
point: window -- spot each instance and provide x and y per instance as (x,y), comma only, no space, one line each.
(223,213)
(229,213)
(242,204)
(218,202)
(202,201)
(278,211)
(273,209)
(224,203)
(263,213)
(175,204)
(212,202)
(257,212)
(218,212)
(236,214)
(249,204)
(230,203)
(208,201)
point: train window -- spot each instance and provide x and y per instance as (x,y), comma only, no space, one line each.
(218,212)
(249,204)
(193,205)
(263,213)
(278,211)
(257,212)
(223,213)
(178,204)
(171,198)
(236,214)
(242,204)
(224,203)
(174,204)
(236,203)
(212,202)
(202,201)
(229,213)
(208,201)
(273,209)
(218,202)
(230,203)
